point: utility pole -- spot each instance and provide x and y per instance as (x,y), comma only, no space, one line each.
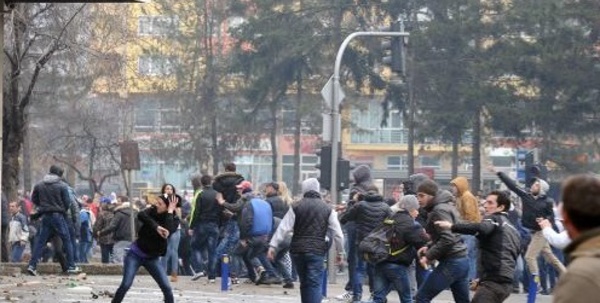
(335,123)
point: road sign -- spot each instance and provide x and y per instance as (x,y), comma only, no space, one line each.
(327,90)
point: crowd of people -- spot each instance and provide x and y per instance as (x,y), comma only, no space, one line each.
(494,245)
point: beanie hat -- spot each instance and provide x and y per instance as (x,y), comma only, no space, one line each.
(310,184)
(544,186)
(409,203)
(428,187)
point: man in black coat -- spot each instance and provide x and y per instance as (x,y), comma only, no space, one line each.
(499,243)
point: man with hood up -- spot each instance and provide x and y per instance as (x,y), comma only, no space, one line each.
(367,214)
(536,207)
(52,199)
(446,247)
(362,180)
(120,228)
(468,208)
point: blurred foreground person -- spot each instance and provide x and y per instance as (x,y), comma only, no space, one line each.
(309,219)
(581,218)
(499,244)
(158,222)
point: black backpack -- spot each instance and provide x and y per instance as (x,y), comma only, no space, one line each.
(383,243)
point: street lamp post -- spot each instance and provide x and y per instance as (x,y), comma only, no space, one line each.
(335,124)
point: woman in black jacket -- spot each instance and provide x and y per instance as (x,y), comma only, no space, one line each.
(158,222)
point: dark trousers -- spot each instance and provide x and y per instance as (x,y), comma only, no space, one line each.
(492,292)
(4,241)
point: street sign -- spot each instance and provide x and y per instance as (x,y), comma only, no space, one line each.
(327,90)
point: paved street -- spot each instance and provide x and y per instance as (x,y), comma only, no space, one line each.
(51,288)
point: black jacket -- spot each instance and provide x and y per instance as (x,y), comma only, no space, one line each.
(499,246)
(225,184)
(207,208)
(279,207)
(413,237)
(311,224)
(367,214)
(445,244)
(149,241)
(51,195)
(534,207)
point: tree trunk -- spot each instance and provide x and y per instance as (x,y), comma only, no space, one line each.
(297,136)
(274,131)
(476,150)
(26,160)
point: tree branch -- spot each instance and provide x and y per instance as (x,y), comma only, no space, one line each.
(43,60)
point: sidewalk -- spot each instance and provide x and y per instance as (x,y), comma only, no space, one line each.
(96,288)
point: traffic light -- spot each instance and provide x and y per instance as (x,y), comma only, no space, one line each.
(529,169)
(394,49)
(324,166)
(343,169)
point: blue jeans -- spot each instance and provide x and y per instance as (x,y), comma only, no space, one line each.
(362,268)
(310,268)
(206,237)
(16,251)
(131,264)
(254,254)
(231,236)
(106,250)
(171,259)
(389,276)
(451,272)
(52,224)
(84,248)
(472,248)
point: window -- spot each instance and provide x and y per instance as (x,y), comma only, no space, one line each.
(369,129)
(397,163)
(428,161)
(156,65)
(157,25)
(145,119)
(170,120)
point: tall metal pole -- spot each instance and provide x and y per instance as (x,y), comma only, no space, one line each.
(335,109)
(336,128)
(1,103)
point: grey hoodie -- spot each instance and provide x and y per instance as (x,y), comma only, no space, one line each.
(362,179)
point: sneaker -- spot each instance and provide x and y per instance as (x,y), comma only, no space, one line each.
(347,296)
(74,270)
(268,280)
(211,281)
(235,281)
(197,276)
(31,271)
(288,285)
(262,277)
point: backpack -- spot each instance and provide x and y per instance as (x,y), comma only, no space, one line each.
(383,243)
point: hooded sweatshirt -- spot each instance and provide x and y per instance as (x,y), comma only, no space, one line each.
(538,206)
(466,203)
(362,179)
(120,224)
(51,195)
